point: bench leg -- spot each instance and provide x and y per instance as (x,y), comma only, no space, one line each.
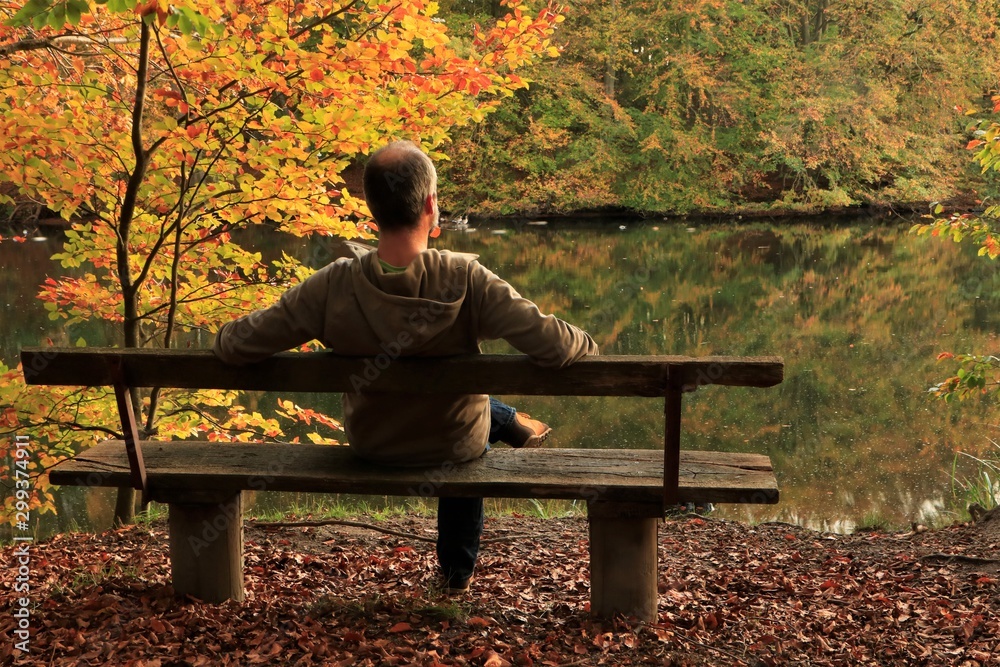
(623,560)
(206,548)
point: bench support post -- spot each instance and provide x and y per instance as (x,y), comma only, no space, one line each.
(623,559)
(206,548)
(671,448)
(130,431)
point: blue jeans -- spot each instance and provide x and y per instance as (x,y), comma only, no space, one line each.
(460,520)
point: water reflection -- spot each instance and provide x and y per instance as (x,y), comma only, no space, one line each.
(859,313)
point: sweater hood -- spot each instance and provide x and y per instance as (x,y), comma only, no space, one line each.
(422,303)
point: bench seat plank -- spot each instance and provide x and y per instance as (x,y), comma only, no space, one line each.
(629,476)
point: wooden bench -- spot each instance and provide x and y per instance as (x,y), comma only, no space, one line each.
(627,491)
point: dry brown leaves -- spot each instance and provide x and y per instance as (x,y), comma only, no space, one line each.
(729,594)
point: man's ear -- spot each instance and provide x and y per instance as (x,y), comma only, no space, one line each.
(429,203)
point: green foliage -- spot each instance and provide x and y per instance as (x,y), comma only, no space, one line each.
(977,376)
(152,513)
(732,104)
(102,574)
(317,507)
(873,522)
(553,148)
(981,486)
(541,509)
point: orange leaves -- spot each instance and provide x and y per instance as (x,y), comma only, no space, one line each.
(990,247)
(307,416)
(172,100)
(157,7)
(473,85)
(432,62)
(8,418)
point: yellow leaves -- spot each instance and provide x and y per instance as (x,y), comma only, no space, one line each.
(42,408)
(240,20)
(245,427)
(305,415)
(435,40)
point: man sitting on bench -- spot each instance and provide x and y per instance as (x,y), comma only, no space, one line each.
(407,300)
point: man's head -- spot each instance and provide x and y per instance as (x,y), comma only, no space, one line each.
(399,179)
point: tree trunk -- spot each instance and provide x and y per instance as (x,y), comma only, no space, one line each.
(124,507)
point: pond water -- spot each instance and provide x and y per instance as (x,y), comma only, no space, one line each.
(859,312)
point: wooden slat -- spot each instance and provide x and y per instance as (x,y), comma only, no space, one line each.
(634,476)
(474,374)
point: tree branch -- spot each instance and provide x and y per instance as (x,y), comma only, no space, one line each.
(77,426)
(378,24)
(56,44)
(326,19)
(132,193)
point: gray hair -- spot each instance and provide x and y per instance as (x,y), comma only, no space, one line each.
(398,179)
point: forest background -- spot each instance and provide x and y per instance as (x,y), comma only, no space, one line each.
(719,106)
(726,105)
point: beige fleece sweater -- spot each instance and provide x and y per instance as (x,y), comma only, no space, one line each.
(444,304)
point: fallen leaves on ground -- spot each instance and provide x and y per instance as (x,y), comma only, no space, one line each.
(729,594)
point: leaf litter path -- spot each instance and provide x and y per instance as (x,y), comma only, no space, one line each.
(730,594)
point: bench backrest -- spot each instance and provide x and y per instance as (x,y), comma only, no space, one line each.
(662,376)
(321,371)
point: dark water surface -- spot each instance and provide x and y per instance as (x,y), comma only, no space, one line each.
(858,311)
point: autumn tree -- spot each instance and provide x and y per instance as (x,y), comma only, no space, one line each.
(164,130)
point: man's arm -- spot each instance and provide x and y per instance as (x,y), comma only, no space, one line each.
(297,318)
(503,313)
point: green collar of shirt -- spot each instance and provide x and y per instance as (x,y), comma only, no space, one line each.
(389,268)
